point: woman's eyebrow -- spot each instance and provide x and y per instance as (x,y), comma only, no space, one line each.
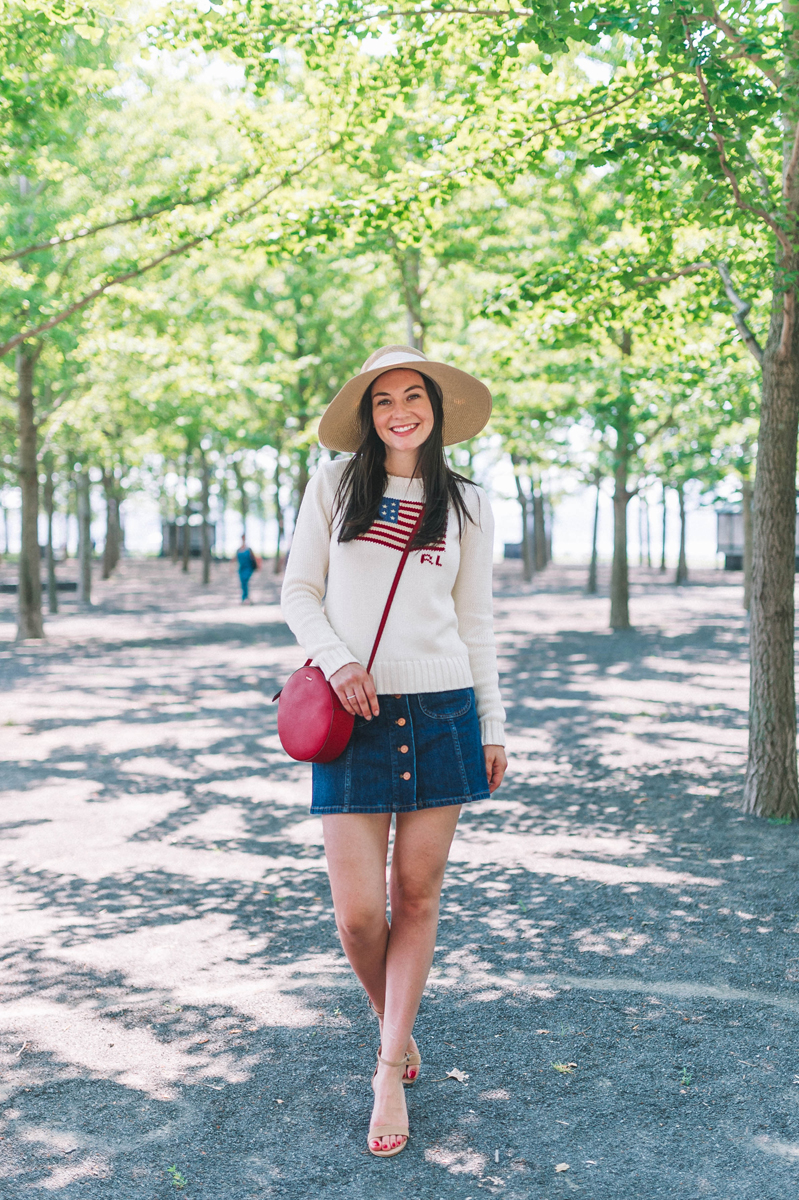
(415,387)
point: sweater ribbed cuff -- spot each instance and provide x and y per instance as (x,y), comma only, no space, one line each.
(331,661)
(492,733)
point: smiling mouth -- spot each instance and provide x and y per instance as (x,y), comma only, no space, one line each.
(402,430)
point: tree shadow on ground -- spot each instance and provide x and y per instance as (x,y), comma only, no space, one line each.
(611,975)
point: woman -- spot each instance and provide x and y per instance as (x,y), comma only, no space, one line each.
(429,722)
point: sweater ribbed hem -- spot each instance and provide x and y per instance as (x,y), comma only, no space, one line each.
(422,675)
(333,660)
(492,733)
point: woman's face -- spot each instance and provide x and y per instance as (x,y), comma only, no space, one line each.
(401,410)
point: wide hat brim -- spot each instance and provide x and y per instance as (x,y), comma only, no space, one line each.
(466,401)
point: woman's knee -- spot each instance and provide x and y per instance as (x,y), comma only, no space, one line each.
(361,923)
(415,896)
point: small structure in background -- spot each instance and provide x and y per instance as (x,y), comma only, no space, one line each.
(730,538)
(512,550)
(173,533)
(63,585)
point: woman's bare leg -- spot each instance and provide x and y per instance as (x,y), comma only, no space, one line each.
(356,846)
(421,848)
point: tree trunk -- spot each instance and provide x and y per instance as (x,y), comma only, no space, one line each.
(184,566)
(527,550)
(220,544)
(772,787)
(410,269)
(644,540)
(111,547)
(69,502)
(302,476)
(174,549)
(682,565)
(278,514)
(52,587)
(83,494)
(115,531)
(591,587)
(206,498)
(244,499)
(663,538)
(619,578)
(30,624)
(625,448)
(746,508)
(539,531)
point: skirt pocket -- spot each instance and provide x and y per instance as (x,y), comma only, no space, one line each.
(450,764)
(446,706)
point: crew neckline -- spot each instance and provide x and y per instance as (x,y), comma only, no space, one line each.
(403,484)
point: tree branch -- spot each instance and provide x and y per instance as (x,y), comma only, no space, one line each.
(505,14)
(742,309)
(181,248)
(691,270)
(98,291)
(59,400)
(765,216)
(387,14)
(650,437)
(740,38)
(788,321)
(760,176)
(584,116)
(136,217)
(793,162)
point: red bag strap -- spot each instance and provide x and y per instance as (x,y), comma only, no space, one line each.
(400,569)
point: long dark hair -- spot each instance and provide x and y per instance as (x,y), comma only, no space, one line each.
(364,479)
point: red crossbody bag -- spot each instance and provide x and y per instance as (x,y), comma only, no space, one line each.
(312,723)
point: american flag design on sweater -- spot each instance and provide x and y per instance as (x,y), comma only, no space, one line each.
(394,524)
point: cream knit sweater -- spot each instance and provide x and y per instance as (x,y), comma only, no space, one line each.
(439,634)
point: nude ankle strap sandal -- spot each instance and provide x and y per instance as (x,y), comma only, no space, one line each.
(412,1057)
(381,1131)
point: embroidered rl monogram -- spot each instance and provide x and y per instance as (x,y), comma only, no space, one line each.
(394,525)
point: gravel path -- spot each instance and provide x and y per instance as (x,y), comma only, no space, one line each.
(617,962)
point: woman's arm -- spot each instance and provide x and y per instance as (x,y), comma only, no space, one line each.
(496,765)
(474,607)
(306,572)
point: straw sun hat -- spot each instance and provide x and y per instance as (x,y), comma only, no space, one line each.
(467,401)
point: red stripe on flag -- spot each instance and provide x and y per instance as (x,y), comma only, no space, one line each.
(394,534)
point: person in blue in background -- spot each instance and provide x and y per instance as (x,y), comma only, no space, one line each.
(247,566)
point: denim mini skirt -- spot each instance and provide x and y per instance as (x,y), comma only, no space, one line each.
(423,751)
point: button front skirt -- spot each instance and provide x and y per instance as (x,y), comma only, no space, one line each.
(423,751)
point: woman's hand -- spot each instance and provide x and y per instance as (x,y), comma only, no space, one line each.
(356,690)
(496,765)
